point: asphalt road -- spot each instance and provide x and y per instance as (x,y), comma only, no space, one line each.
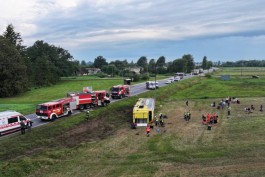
(135,90)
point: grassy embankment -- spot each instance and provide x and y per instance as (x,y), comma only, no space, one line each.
(107,147)
(25,103)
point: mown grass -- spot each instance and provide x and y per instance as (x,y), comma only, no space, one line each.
(25,103)
(68,147)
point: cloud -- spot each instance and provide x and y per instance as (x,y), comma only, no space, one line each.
(103,24)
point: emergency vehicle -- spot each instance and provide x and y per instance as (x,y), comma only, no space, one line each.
(143,111)
(120,91)
(10,121)
(55,109)
(88,98)
(181,75)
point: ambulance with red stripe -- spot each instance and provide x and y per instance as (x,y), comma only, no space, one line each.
(10,121)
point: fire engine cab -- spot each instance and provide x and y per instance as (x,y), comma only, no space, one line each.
(55,109)
(10,121)
(120,91)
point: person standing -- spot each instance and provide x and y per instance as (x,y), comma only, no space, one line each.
(29,125)
(22,127)
(187,103)
(261,108)
(229,110)
(87,115)
(148,129)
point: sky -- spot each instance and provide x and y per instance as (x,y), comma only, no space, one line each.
(221,30)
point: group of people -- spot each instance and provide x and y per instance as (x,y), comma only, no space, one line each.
(226,102)
(24,126)
(209,120)
(252,108)
(160,121)
(187,115)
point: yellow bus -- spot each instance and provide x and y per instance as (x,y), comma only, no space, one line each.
(143,111)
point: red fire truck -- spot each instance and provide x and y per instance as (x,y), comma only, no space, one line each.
(89,98)
(120,91)
(55,109)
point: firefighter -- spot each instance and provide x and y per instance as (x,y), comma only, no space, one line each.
(156,123)
(29,125)
(189,115)
(187,103)
(22,127)
(203,119)
(228,110)
(162,122)
(87,115)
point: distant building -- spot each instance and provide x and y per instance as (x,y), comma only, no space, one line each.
(92,71)
(135,69)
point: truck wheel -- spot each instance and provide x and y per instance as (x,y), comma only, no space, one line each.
(0,134)
(69,113)
(81,106)
(54,117)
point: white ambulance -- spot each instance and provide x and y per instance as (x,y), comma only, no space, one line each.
(10,121)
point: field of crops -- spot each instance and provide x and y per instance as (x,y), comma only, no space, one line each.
(106,146)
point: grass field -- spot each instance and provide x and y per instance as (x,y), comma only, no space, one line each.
(25,103)
(106,146)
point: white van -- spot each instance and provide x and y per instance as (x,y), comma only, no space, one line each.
(10,121)
(150,85)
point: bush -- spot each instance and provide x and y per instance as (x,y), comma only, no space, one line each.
(208,75)
(145,76)
(102,75)
(136,78)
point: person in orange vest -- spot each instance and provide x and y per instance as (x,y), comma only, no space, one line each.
(148,129)
(208,117)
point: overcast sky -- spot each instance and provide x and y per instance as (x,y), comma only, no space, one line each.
(128,29)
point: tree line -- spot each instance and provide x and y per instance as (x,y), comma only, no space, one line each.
(42,64)
(38,65)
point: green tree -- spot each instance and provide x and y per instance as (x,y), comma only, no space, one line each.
(60,62)
(204,62)
(13,71)
(142,62)
(83,63)
(189,64)
(151,66)
(99,62)
(161,62)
